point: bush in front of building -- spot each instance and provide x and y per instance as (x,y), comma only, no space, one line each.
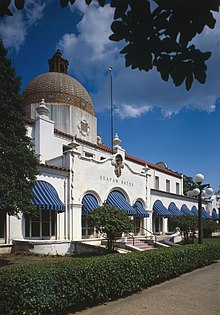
(187,225)
(50,288)
(209,226)
(111,222)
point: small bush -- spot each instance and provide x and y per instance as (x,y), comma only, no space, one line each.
(54,287)
(209,227)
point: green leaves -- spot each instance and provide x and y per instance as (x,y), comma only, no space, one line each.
(64,3)
(19,4)
(4,6)
(119,30)
(153,32)
(18,164)
(160,37)
(110,221)
(58,287)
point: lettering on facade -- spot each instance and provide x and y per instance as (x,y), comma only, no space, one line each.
(116,181)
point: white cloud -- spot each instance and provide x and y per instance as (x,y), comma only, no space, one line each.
(129,111)
(34,11)
(91,53)
(14,34)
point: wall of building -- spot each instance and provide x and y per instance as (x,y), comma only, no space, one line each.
(163,177)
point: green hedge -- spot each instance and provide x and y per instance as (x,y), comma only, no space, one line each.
(50,288)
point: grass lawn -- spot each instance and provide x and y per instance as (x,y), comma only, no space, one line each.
(15,260)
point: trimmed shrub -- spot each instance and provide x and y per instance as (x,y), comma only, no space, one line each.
(54,287)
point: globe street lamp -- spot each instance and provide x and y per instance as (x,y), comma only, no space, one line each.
(201,190)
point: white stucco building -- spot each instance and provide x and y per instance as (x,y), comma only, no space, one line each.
(77,172)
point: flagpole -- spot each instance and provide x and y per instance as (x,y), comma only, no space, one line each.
(111,109)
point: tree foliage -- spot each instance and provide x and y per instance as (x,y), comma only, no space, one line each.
(188,184)
(158,33)
(111,222)
(187,225)
(209,226)
(18,164)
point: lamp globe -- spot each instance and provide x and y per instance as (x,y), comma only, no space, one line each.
(199,178)
(209,191)
(196,191)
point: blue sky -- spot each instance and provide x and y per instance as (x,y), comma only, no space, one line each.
(155,120)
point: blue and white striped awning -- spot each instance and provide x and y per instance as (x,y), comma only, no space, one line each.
(160,210)
(46,197)
(196,212)
(116,199)
(215,215)
(186,211)
(89,203)
(174,210)
(205,214)
(140,211)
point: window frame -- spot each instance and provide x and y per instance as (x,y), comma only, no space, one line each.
(157,182)
(51,221)
(167,185)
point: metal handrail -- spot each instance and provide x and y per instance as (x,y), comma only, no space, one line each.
(150,233)
(132,237)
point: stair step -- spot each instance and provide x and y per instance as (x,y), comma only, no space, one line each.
(141,244)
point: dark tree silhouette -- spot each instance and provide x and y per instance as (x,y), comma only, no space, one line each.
(158,33)
(18,164)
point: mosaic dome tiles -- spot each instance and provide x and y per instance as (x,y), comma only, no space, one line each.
(57,88)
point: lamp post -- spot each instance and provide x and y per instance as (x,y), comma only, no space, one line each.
(201,190)
(218,203)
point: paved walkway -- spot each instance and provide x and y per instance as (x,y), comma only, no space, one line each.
(194,293)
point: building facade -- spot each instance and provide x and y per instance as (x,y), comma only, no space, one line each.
(78,173)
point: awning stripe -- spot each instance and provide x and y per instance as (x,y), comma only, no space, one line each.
(206,215)
(140,211)
(215,215)
(160,210)
(89,203)
(196,212)
(46,197)
(116,199)
(186,211)
(174,210)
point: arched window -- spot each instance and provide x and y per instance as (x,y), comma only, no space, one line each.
(117,199)
(43,224)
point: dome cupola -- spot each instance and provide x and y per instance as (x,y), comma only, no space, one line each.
(69,103)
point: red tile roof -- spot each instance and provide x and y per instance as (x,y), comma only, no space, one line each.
(54,167)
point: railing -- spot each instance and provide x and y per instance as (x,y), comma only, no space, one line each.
(155,237)
(133,239)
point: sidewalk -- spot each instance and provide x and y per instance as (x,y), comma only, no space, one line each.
(194,293)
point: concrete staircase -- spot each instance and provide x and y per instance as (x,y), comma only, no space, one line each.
(140,244)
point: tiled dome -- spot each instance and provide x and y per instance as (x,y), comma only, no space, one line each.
(57,88)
